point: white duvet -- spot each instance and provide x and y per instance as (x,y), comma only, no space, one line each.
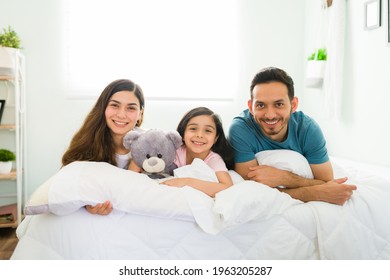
(247,221)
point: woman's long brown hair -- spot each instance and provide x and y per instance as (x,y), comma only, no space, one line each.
(93,141)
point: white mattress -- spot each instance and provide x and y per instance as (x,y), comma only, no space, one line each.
(127,236)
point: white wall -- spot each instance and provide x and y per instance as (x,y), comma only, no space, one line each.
(272,33)
(362,131)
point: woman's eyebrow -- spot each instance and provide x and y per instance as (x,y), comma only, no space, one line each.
(116,101)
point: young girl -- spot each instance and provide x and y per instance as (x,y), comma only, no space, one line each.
(203,138)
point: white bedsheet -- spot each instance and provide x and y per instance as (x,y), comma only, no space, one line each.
(315,230)
(362,228)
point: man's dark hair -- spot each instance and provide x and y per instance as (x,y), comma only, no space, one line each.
(273,74)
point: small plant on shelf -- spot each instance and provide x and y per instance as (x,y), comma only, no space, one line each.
(9,38)
(321,55)
(6,155)
(315,69)
(6,158)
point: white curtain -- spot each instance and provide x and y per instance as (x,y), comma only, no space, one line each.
(333,78)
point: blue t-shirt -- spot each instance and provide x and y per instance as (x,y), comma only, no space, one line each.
(304,136)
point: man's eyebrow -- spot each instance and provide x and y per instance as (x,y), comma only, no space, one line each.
(275,101)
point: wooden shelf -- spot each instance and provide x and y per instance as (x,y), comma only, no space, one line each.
(9,210)
(6,78)
(13,224)
(9,176)
(8,126)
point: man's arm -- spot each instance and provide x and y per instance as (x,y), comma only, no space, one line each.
(274,177)
(242,168)
(334,191)
(323,171)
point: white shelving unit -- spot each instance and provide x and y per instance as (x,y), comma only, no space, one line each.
(12,137)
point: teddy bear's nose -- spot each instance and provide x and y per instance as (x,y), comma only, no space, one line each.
(152,161)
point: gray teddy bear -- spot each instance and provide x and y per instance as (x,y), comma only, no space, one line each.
(154,150)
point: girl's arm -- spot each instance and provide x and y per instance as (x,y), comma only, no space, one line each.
(134,167)
(209,188)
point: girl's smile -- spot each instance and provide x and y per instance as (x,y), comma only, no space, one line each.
(199,137)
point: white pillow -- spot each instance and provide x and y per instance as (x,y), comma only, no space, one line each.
(197,169)
(38,202)
(88,183)
(286,160)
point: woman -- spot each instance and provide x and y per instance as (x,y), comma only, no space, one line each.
(118,110)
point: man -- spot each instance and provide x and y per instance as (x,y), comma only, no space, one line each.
(273,122)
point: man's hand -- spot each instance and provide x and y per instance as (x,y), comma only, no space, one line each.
(335,192)
(268,175)
(100,208)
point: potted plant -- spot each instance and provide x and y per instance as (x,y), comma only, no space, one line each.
(316,68)
(6,158)
(9,44)
(318,55)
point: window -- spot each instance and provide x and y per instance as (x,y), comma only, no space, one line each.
(173,49)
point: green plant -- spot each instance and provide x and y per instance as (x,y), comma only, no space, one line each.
(9,38)
(6,155)
(321,55)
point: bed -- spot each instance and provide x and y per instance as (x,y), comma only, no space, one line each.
(247,221)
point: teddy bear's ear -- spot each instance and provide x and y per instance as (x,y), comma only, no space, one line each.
(130,137)
(175,137)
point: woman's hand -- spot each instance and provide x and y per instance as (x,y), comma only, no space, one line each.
(100,208)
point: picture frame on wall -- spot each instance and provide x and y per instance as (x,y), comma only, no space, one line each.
(372,10)
(2,105)
(388,22)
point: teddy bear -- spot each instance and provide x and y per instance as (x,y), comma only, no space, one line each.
(154,150)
